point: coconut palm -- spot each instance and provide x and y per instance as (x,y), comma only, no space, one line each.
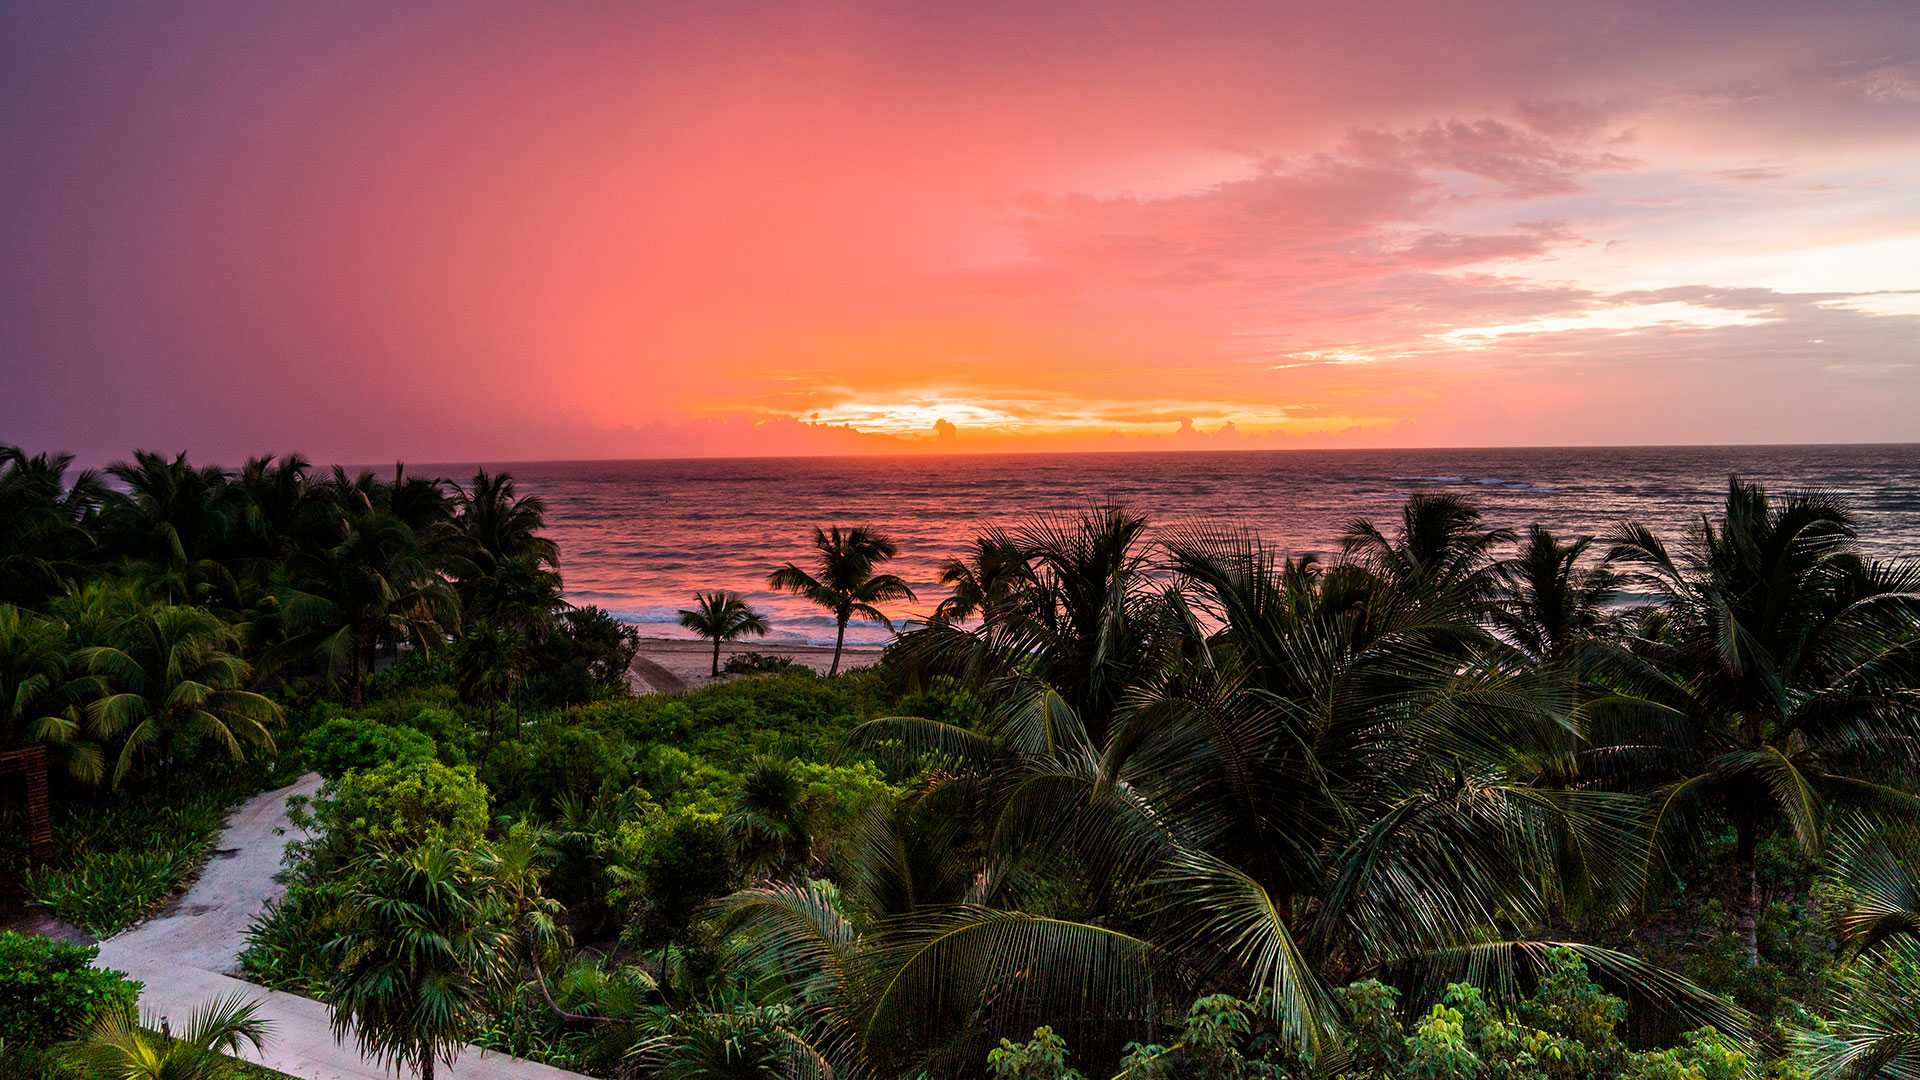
(722,616)
(1322,789)
(501,523)
(122,1046)
(170,681)
(39,697)
(846,582)
(1775,684)
(375,580)
(1871,890)
(46,521)
(986,577)
(1548,600)
(423,940)
(176,517)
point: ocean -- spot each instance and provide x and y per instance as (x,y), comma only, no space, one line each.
(638,538)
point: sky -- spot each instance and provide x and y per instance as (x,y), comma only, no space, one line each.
(476,231)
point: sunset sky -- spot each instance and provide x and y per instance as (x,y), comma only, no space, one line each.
(517,231)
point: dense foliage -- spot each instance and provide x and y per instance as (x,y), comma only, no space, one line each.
(1139,798)
(50,992)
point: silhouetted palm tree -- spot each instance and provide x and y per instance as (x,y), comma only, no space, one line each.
(46,521)
(846,582)
(984,578)
(1548,600)
(1776,683)
(722,616)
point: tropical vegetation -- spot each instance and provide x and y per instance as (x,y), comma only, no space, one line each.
(1138,798)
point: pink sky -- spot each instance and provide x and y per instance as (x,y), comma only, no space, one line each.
(470,231)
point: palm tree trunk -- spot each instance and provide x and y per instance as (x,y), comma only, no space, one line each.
(716,658)
(359,683)
(426,1066)
(1746,886)
(839,638)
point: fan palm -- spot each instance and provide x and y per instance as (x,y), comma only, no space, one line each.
(1778,683)
(422,941)
(171,679)
(722,616)
(846,581)
(121,1046)
(1871,887)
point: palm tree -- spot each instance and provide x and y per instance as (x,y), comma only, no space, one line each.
(1775,684)
(176,516)
(377,579)
(846,583)
(503,524)
(1871,889)
(1548,600)
(986,577)
(172,678)
(489,664)
(122,1046)
(39,698)
(723,616)
(46,521)
(423,940)
(1335,784)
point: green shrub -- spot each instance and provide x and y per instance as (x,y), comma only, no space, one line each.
(398,805)
(49,991)
(756,663)
(559,760)
(283,943)
(664,865)
(343,744)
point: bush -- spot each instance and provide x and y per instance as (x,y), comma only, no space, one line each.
(343,744)
(755,663)
(585,660)
(665,865)
(49,990)
(397,806)
(559,760)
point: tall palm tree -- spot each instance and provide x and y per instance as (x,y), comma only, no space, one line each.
(722,616)
(173,679)
(846,581)
(120,1045)
(423,940)
(1776,685)
(1548,600)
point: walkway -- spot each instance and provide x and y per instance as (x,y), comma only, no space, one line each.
(183,953)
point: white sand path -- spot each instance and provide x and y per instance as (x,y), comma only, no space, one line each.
(183,956)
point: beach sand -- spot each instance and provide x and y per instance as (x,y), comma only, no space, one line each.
(673,665)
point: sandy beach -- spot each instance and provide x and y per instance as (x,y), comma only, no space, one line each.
(672,665)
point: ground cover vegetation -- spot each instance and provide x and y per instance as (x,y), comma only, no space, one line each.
(1139,798)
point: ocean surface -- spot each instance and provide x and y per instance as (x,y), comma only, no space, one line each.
(639,537)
